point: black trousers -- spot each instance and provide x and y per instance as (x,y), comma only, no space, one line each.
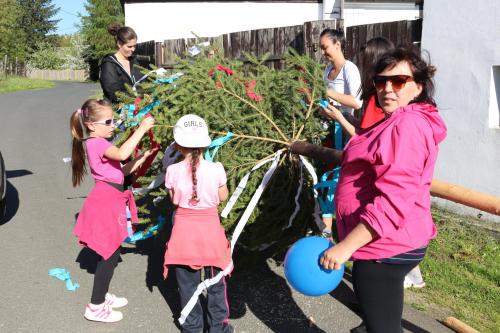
(102,277)
(217,305)
(380,294)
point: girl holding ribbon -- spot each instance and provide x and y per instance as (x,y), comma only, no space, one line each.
(102,222)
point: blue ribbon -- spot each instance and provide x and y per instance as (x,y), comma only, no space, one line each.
(215,145)
(63,275)
(136,119)
(323,103)
(167,80)
(141,235)
(326,204)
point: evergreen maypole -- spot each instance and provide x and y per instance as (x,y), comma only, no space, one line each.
(263,110)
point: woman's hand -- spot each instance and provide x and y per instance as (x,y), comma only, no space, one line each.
(334,257)
(150,152)
(331,112)
(147,123)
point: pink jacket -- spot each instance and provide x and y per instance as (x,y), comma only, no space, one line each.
(198,239)
(385,180)
(102,222)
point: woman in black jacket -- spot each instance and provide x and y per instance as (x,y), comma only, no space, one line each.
(121,67)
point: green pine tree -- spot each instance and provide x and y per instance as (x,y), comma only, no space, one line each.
(261,128)
(12,36)
(38,22)
(101,14)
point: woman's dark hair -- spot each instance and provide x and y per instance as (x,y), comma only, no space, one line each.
(422,71)
(122,34)
(370,53)
(335,36)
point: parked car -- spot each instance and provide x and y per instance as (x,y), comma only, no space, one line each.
(3,187)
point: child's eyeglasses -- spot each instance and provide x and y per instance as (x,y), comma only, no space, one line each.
(107,122)
(397,81)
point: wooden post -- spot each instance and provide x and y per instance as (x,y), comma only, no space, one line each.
(458,326)
(467,197)
(485,202)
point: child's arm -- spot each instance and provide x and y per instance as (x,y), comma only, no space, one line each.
(126,149)
(223,193)
(133,165)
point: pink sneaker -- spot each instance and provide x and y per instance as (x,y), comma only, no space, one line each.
(115,302)
(103,313)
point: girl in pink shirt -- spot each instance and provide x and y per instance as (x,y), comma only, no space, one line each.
(102,221)
(198,240)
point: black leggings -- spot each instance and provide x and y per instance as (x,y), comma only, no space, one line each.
(380,294)
(102,277)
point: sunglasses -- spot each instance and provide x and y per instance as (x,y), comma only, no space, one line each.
(397,81)
(107,122)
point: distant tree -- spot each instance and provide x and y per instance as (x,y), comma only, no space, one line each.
(12,36)
(101,14)
(38,22)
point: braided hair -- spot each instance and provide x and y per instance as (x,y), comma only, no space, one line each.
(195,158)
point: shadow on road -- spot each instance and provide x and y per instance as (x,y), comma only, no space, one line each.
(12,195)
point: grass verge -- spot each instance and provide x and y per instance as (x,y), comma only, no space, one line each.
(15,83)
(461,270)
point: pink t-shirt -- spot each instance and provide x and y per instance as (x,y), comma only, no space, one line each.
(209,175)
(101,167)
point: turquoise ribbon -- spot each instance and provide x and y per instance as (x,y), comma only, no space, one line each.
(323,103)
(167,80)
(326,203)
(63,275)
(134,120)
(141,235)
(215,145)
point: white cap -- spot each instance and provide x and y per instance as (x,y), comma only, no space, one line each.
(191,131)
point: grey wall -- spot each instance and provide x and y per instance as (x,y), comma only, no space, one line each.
(463,39)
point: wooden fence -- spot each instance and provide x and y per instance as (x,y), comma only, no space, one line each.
(303,38)
(9,66)
(58,74)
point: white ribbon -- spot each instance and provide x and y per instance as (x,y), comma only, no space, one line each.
(237,231)
(297,204)
(241,186)
(317,210)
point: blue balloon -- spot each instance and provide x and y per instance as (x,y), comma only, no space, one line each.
(303,271)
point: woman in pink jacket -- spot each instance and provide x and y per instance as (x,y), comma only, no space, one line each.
(382,199)
(102,222)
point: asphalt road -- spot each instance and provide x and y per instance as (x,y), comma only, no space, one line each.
(37,236)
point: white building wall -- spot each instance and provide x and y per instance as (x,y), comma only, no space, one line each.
(463,39)
(160,21)
(366,13)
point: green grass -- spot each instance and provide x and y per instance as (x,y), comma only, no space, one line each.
(461,270)
(15,83)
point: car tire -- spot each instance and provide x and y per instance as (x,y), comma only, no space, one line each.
(3,187)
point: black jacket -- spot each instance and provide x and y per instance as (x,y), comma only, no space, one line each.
(113,76)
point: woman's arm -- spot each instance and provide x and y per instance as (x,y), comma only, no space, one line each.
(335,256)
(109,81)
(346,100)
(335,114)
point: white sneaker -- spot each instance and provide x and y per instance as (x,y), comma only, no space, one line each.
(408,283)
(103,313)
(114,301)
